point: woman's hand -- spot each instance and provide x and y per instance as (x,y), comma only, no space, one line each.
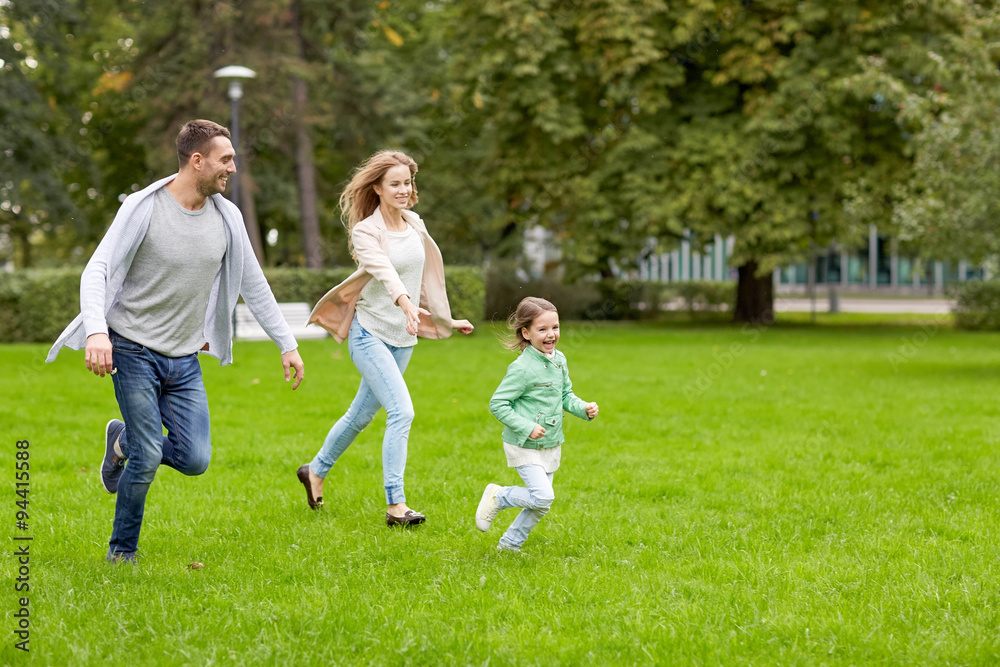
(465,326)
(537,432)
(412,314)
(592,410)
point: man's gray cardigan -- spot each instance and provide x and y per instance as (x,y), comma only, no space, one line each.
(102,280)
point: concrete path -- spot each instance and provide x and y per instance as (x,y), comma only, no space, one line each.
(915,306)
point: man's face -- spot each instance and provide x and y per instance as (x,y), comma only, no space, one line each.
(217,166)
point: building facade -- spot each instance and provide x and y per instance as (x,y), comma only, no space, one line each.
(876,266)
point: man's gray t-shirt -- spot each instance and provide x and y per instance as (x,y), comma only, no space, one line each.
(163,302)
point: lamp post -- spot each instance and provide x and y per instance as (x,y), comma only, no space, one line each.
(235,74)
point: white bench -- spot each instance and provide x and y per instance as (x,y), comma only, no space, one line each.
(294,313)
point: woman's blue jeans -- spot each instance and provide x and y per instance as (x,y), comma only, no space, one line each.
(381,366)
(154,392)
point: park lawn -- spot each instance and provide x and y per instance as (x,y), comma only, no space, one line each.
(797,319)
(935,320)
(794,495)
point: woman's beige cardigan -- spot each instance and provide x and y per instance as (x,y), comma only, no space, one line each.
(335,310)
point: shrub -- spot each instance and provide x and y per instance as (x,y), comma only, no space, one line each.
(607,299)
(505,289)
(977,305)
(702,295)
(308,285)
(37,304)
(466,292)
(627,300)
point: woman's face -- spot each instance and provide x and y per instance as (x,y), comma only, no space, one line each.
(396,187)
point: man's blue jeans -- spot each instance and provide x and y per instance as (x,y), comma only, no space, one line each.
(381,366)
(153,392)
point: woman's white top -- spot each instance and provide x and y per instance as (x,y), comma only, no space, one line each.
(376,311)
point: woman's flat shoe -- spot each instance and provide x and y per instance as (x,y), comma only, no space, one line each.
(303,475)
(411,518)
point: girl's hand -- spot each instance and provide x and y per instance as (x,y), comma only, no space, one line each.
(537,432)
(592,410)
(465,326)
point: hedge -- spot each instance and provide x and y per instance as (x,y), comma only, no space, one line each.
(609,299)
(37,304)
(977,305)
(704,295)
(466,292)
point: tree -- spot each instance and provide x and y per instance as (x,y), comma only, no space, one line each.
(613,123)
(772,131)
(45,168)
(411,54)
(95,115)
(305,166)
(616,125)
(950,206)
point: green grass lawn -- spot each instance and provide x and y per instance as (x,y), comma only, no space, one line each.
(796,496)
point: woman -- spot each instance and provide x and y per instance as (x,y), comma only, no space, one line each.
(397,294)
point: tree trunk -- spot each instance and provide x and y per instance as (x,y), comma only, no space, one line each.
(26,259)
(247,191)
(304,162)
(754,296)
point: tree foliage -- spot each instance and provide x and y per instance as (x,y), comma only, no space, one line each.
(46,177)
(950,206)
(620,126)
(615,123)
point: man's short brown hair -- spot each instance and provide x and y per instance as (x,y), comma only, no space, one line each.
(195,137)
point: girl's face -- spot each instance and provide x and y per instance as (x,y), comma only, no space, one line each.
(396,187)
(543,332)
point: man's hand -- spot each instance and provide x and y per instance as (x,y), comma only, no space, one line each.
(465,326)
(592,410)
(537,432)
(97,354)
(290,360)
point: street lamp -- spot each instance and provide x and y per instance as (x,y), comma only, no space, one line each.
(235,74)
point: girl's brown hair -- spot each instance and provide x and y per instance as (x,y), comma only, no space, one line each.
(359,200)
(529,308)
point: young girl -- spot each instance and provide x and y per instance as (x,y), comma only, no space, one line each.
(529,403)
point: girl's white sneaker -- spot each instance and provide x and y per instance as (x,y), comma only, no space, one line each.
(488,508)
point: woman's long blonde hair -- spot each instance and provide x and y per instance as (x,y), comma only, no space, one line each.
(359,200)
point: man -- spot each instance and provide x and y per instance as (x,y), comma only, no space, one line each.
(162,286)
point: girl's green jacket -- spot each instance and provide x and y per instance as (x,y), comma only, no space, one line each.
(536,390)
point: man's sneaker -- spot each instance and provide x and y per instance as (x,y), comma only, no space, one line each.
(488,508)
(116,557)
(113,464)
